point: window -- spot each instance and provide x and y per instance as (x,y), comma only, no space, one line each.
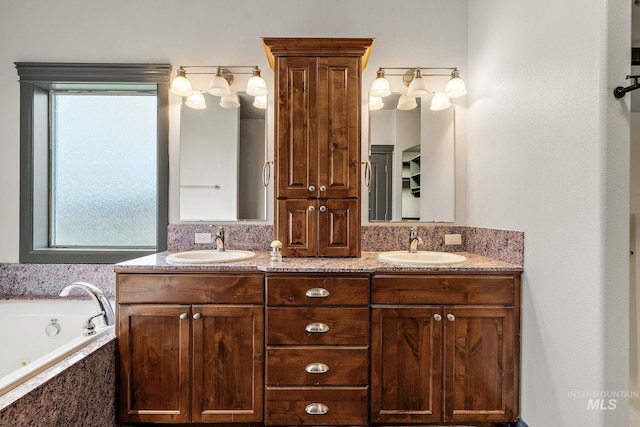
(94,161)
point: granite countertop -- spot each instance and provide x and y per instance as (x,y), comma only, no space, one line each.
(368,263)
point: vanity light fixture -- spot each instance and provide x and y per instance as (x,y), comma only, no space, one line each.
(223,78)
(375,103)
(414,79)
(260,101)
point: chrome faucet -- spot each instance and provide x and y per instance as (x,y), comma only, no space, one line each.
(414,240)
(220,239)
(104,306)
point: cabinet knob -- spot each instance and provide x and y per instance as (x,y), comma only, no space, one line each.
(312,188)
(312,208)
(317,293)
(323,188)
(316,409)
(183,316)
(323,208)
(317,328)
(196,316)
(437,317)
(317,368)
(451,317)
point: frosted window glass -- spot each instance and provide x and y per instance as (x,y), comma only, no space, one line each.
(103,181)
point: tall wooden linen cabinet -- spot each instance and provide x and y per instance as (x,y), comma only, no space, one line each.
(317,147)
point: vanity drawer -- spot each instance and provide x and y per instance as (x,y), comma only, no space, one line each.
(317,366)
(316,406)
(443,289)
(290,289)
(318,326)
(190,288)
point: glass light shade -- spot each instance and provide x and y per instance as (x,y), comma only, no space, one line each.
(219,86)
(418,87)
(375,103)
(439,102)
(256,86)
(380,87)
(180,86)
(455,88)
(406,102)
(196,101)
(230,101)
(260,102)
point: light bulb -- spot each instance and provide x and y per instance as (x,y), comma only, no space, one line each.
(439,102)
(230,101)
(219,85)
(455,87)
(196,100)
(260,102)
(256,86)
(375,103)
(180,85)
(380,86)
(418,86)
(406,102)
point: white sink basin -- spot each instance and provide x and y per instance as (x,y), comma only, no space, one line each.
(421,257)
(209,256)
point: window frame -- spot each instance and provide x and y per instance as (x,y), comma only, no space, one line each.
(36,80)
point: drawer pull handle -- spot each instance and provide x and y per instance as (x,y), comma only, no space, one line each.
(317,328)
(316,409)
(317,293)
(317,368)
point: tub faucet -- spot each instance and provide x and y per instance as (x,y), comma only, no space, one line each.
(104,306)
(414,240)
(220,239)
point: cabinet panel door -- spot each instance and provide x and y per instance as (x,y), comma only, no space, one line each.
(297,227)
(339,228)
(154,346)
(480,364)
(406,364)
(227,363)
(339,127)
(296,148)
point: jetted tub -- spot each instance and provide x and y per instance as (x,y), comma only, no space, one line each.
(37,334)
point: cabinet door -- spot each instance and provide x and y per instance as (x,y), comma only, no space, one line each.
(480,354)
(339,127)
(298,227)
(339,228)
(154,346)
(228,358)
(406,364)
(296,150)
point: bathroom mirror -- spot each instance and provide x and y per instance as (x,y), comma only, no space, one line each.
(222,154)
(412,155)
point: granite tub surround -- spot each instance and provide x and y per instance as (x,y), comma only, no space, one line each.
(78,391)
(368,263)
(50,279)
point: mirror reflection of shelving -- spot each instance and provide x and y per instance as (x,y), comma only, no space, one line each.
(411,183)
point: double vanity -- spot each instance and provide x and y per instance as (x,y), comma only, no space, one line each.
(318,341)
(333,334)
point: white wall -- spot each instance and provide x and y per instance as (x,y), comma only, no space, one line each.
(548,154)
(408,33)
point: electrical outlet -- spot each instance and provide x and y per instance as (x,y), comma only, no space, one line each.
(203,238)
(452,239)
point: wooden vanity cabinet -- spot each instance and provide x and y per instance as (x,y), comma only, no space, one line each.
(317,336)
(317,150)
(190,347)
(445,348)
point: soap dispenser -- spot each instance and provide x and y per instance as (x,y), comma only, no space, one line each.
(276,251)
